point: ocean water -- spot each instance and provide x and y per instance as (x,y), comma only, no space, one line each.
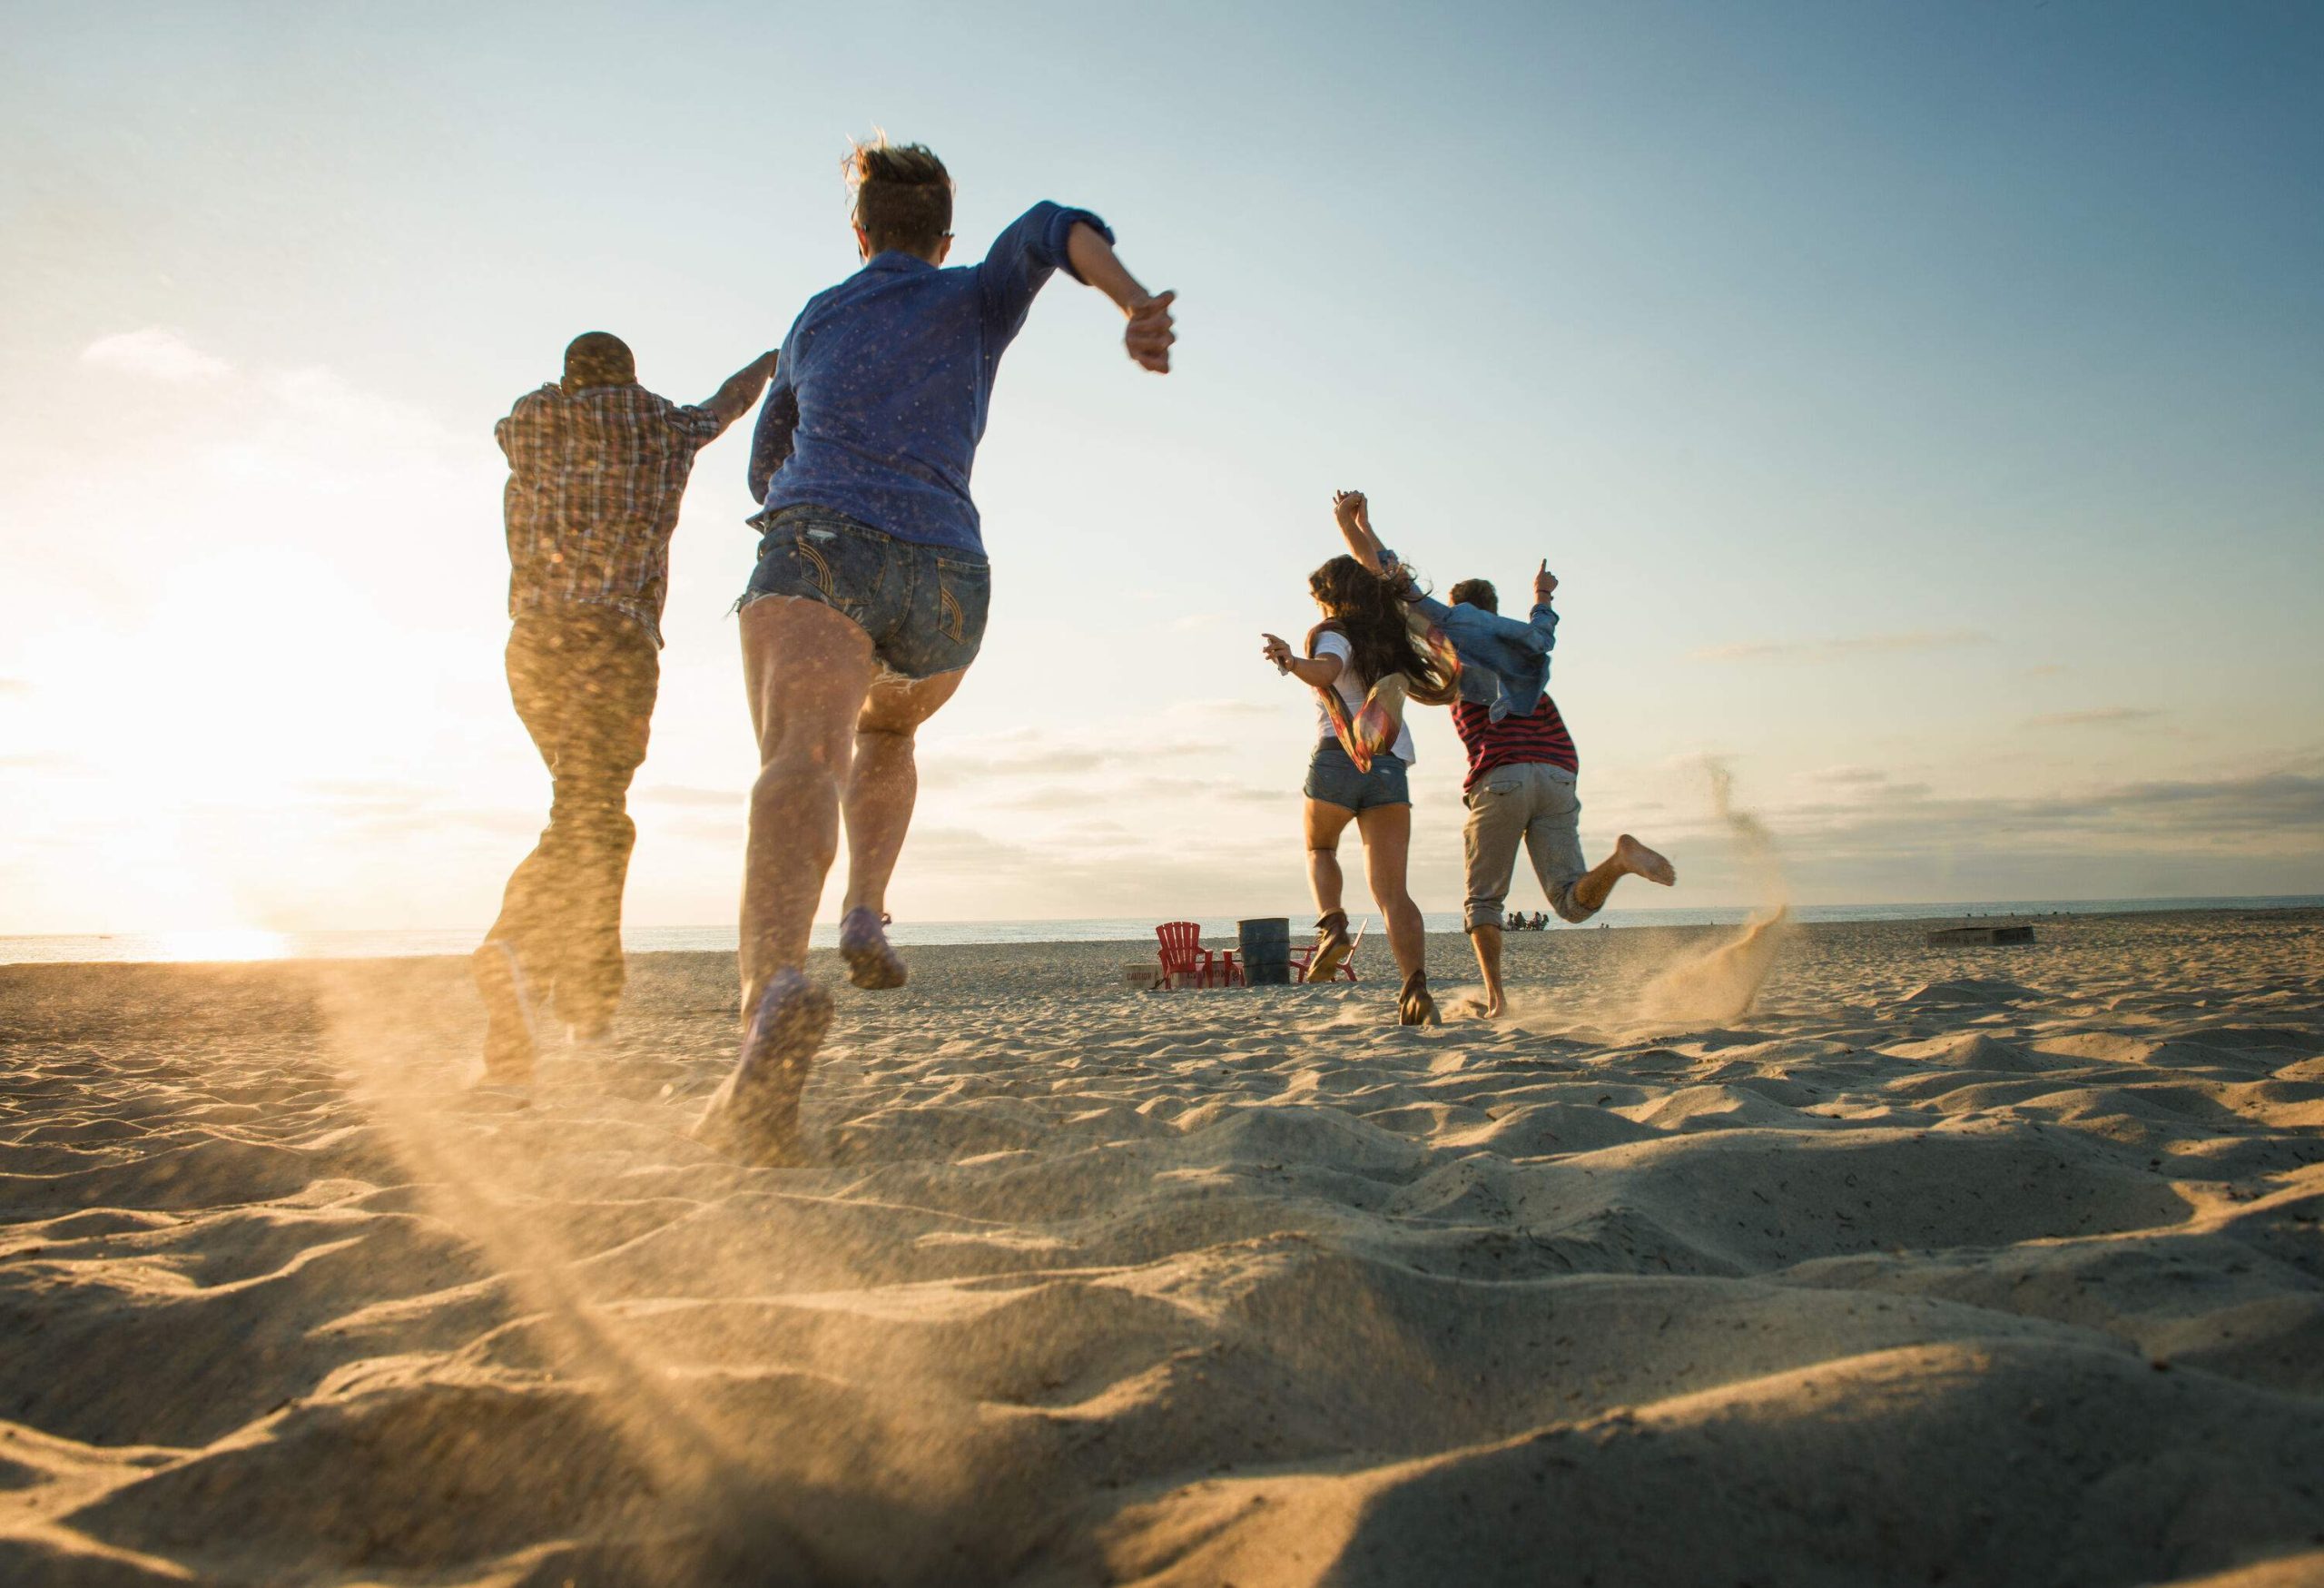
(250,943)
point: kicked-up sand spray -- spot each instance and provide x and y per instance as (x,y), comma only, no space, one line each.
(1720,982)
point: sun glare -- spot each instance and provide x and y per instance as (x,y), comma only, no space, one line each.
(221,942)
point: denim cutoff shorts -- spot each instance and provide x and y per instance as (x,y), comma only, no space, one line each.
(1332,778)
(924,606)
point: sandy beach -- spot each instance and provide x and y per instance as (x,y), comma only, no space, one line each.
(1975,1266)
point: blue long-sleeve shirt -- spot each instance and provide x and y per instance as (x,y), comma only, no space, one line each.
(881,396)
(1504,664)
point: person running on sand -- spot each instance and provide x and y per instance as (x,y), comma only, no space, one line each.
(597,466)
(1523,768)
(868,599)
(1365,639)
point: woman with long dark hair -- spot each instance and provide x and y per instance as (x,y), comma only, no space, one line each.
(1364,661)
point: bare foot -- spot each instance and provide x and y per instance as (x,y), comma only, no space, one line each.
(1641,861)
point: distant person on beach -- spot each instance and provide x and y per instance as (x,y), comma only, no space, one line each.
(1523,768)
(597,466)
(1365,638)
(869,600)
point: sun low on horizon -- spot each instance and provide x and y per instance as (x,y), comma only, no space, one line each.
(1060,794)
(1987,570)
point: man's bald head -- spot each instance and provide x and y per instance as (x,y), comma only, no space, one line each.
(598,358)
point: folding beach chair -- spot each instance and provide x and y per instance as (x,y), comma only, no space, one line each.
(1187,963)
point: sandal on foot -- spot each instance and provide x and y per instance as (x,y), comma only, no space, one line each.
(1332,946)
(871,961)
(754,1116)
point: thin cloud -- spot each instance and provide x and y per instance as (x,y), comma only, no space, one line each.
(1824,650)
(418,819)
(957,852)
(1008,756)
(678,793)
(1067,796)
(155,353)
(365,788)
(725,832)
(1226,708)
(1088,872)
(2110,716)
(2273,812)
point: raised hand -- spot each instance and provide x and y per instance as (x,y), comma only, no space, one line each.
(1352,509)
(1545,583)
(1148,336)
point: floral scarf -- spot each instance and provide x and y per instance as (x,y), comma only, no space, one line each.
(1372,729)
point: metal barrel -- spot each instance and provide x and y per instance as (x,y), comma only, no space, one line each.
(1265,948)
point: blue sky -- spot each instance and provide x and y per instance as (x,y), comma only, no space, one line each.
(1919,402)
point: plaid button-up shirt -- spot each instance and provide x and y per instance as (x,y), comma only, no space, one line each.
(595,478)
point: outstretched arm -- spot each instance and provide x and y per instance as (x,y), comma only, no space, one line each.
(771,439)
(1148,336)
(1355,516)
(1318,671)
(1544,617)
(732,400)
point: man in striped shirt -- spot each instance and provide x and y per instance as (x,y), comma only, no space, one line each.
(1521,786)
(597,466)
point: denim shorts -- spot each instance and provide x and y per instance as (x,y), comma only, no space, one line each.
(1332,778)
(924,606)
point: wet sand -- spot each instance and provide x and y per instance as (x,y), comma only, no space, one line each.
(1981,1266)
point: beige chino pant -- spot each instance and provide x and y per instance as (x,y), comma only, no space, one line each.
(1528,802)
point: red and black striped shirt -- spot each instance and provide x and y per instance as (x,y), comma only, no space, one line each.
(1539,738)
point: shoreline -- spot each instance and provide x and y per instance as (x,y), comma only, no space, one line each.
(2292,905)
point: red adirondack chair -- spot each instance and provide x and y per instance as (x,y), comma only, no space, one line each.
(1303,957)
(1185,962)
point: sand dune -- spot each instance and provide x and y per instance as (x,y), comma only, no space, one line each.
(1995,1266)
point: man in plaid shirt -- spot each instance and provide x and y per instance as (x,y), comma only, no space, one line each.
(597,466)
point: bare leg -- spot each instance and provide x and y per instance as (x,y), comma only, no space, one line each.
(1631,859)
(1387,841)
(808,669)
(1324,822)
(1486,942)
(1387,844)
(884,781)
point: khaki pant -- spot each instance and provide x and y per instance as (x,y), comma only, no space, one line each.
(584,681)
(1533,802)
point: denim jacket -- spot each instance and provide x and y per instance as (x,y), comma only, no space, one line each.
(1504,664)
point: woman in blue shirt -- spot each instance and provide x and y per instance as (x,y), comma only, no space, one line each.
(868,599)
